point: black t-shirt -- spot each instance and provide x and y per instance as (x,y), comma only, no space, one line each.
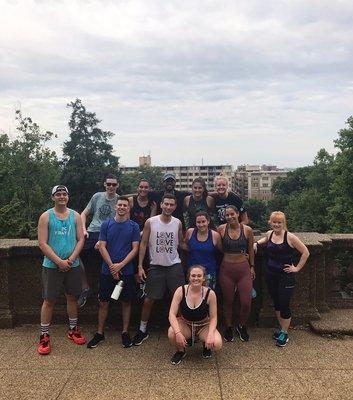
(221,204)
(180,196)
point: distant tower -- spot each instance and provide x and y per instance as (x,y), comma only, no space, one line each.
(145,161)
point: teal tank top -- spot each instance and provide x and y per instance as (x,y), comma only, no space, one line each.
(61,238)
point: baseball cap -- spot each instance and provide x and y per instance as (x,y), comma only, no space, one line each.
(169,176)
(60,188)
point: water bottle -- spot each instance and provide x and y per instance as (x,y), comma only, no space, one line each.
(117,290)
(253,293)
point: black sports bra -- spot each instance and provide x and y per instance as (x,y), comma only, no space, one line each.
(194,314)
(235,246)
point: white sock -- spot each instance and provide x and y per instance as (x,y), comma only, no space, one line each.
(143,326)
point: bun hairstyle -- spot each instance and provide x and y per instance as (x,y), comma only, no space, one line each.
(203,269)
(278,215)
(233,208)
(221,176)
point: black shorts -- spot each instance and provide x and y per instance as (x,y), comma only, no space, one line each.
(53,280)
(91,241)
(107,284)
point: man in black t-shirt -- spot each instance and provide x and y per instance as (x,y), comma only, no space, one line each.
(169,187)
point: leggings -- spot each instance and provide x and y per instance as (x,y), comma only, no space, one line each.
(234,275)
(280,287)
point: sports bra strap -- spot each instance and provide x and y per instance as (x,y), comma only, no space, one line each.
(207,293)
(271,236)
(183,289)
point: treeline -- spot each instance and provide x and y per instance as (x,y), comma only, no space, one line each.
(29,169)
(317,198)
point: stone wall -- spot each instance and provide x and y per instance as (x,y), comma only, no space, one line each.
(317,289)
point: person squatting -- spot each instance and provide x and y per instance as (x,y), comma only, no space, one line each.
(191,245)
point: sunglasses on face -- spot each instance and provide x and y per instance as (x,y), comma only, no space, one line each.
(111,184)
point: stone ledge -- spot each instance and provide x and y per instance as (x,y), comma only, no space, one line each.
(334,322)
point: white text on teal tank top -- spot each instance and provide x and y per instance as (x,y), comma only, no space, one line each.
(61,237)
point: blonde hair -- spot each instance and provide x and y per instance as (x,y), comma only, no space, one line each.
(203,269)
(278,215)
(221,176)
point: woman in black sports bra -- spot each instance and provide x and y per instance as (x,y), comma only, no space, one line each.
(197,306)
(236,271)
(280,271)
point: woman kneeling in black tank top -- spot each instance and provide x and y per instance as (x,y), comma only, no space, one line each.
(197,306)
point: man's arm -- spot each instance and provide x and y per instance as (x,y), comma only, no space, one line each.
(143,246)
(63,265)
(85,213)
(79,237)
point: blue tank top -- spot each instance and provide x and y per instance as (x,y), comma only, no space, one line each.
(202,253)
(279,254)
(61,237)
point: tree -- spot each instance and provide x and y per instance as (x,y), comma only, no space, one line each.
(341,210)
(27,172)
(130,181)
(87,156)
(258,214)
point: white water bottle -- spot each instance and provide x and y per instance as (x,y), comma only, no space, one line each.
(117,290)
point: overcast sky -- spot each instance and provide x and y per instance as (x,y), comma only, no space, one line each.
(221,82)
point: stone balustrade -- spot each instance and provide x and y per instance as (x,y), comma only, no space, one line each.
(318,286)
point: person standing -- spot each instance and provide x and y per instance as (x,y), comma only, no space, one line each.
(119,240)
(236,271)
(162,234)
(101,207)
(281,246)
(60,237)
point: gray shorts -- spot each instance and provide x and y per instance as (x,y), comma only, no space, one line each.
(160,277)
(53,281)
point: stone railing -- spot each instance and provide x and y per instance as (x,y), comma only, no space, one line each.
(317,289)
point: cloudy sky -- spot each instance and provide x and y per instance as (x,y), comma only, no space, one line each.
(188,81)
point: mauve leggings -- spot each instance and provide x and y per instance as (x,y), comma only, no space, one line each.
(236,275)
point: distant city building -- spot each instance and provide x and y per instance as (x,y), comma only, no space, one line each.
(185,174)
(255,181)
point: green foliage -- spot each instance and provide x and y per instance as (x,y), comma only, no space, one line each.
(27,171)
(130,181)
(87,156)
(258,214)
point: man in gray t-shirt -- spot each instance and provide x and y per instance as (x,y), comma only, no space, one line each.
(102,207)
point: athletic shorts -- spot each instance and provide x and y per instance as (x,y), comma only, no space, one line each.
(53,280)
(160,277)
(91,241)
(107,284)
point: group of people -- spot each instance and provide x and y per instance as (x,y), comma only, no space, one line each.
(140,238)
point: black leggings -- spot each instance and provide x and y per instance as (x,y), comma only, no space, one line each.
(280,286)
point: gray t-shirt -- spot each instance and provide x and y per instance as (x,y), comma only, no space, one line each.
(102,209)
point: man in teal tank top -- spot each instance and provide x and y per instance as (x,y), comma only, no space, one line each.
(60,237)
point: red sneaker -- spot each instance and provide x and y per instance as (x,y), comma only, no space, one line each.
(75,336)
(44,347)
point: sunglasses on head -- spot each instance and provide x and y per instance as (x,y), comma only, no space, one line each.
(111,184)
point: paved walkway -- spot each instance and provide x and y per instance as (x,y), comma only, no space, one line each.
(310,367)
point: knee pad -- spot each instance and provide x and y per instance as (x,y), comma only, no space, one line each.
(285,313)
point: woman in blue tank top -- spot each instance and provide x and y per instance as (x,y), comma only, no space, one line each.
(202,244)
(280,272)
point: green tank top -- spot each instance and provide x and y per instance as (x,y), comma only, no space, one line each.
(61,238)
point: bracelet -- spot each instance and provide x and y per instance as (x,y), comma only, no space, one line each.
(177,333)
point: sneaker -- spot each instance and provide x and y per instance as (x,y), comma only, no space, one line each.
(44,347)
(126,340)
(139,338)
(228,335)
(242,333)
(81,301)
(276,333)
(177,358)
(94,342)
(206,353)
(76,336)
(282,340)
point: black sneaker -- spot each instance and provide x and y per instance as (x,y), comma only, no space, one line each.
(94,342)
(242,333)
(139,338)
(126,340)
(177,358)
(228,335)
(206,353)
